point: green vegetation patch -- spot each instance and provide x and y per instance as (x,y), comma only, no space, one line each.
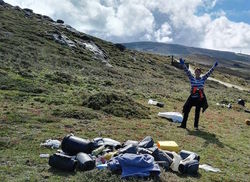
(117,104)
(76,113)
(60,77)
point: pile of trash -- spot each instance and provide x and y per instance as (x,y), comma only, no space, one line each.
(130,159)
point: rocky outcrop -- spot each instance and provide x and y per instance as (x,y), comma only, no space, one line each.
(2,2)
(60,21)
(63,39)
(47,18)
(99,54)
(17,8)
(28,12)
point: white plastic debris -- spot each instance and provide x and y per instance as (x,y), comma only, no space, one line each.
(152,102)
(44,155)
(174,116)
(229,106)
(209,168)
(176,162)
(51,143)
(155,103)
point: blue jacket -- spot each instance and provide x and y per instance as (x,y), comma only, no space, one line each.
(134,165)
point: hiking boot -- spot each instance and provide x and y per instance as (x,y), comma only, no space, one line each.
(196,128)
(181,127)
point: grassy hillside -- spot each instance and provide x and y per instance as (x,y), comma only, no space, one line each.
(230,63)
(48,90)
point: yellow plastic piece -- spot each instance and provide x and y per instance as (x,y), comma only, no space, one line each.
(168,145)
(109,155)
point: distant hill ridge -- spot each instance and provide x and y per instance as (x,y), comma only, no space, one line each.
(175,49)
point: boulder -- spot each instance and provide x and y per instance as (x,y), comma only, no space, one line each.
(17,8)
(48,18)
(60,21)
(39,16)
(28,12)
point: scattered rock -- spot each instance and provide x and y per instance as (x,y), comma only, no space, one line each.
(39,16)
(99,54)
(17,8)
(63,39)
(4,87)
(85,37)
(47,18)
(247,121)
(70,29)
(28,12)
(60,21)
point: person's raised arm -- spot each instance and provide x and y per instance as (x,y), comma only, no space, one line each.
(210,71)
(187,71)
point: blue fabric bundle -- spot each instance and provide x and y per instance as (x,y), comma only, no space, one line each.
(134,165)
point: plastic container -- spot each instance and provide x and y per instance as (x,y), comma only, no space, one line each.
(85,162)
(184,154)
(62,162)
(160,104)
(132,149)
(168,145)
(109,155)
(72,145)
(189,167)
(147,142)
(101,166)
(98,150)
(133,142)
(162,157)
(170,154)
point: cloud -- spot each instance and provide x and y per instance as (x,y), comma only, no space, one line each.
(173,21)
(164,34)
(224,34)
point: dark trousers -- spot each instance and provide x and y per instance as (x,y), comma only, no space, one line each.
(186,109)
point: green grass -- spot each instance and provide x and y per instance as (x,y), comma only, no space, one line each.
(43,86)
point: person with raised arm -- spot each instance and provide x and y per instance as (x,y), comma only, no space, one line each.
(197,96)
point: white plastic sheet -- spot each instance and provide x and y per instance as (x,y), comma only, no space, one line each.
(51,143)
(152,102)
(174,116)
(209,168)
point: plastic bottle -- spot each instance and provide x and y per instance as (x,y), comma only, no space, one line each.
(101,166)
(109,155)
(98,150)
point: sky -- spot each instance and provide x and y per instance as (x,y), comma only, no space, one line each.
(213,24)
